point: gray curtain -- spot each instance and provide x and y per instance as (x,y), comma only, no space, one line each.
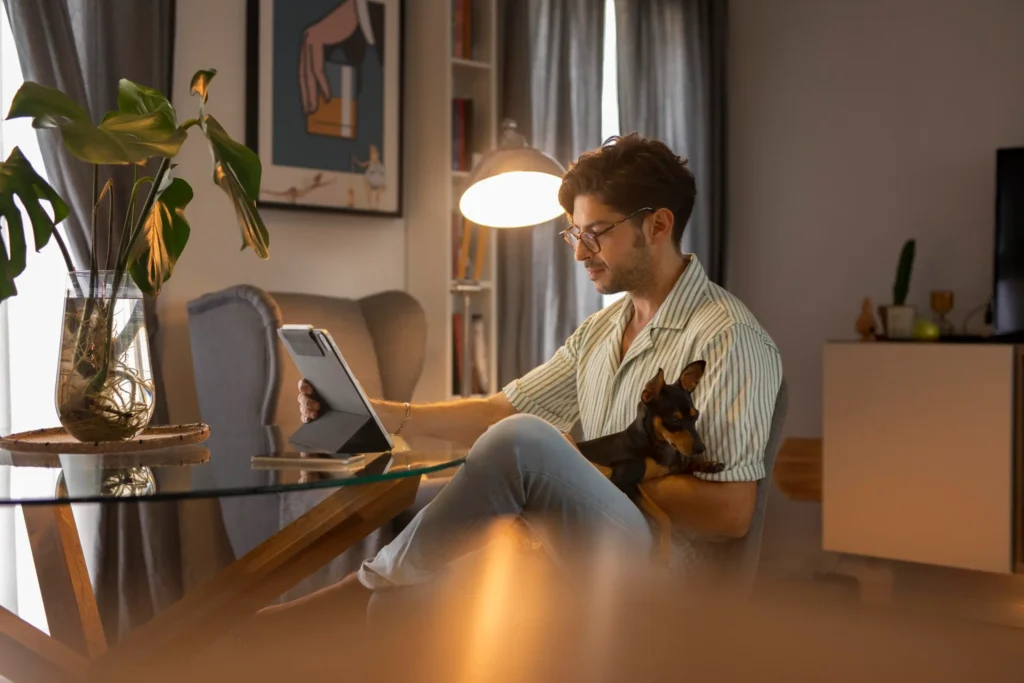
(551,86)
(672,72)
(83,47)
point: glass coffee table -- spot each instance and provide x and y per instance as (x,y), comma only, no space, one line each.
(346,500)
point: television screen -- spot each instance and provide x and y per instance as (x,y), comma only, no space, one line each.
(1008,268)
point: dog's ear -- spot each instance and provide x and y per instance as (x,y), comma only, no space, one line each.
(653,387)
(691,375)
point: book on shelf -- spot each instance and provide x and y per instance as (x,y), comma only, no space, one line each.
(462,133)
(478,344)
(478,351)
(469,249)
(462,29)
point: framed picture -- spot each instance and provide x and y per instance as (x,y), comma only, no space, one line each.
(324,103)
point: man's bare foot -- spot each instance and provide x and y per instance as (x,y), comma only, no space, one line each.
(314,630)
(338,607)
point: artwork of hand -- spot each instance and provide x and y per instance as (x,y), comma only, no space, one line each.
(338,26)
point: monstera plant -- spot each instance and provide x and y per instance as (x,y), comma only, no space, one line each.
(104,385)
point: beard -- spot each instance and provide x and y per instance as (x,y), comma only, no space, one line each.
(631,276)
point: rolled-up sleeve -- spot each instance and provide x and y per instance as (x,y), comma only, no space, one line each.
(549,391)
(736,398)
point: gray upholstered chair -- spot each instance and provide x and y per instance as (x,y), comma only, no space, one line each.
(743,555)
(752,545)
(244,380)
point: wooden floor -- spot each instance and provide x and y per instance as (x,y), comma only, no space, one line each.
(797,470)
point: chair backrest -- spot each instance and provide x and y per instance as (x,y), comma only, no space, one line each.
(233,339)
(243,376)
(383,338)
(737,560)
(751,549)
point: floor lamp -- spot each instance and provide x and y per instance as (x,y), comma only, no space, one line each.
(513,186)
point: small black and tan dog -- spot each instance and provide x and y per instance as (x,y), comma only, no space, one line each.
(662,440)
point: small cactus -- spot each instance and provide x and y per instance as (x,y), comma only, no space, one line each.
(902,284)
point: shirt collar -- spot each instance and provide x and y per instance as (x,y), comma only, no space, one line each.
(675,311)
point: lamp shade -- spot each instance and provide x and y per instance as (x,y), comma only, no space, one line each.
(514,185)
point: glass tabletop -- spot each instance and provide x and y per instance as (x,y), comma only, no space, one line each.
(236,462)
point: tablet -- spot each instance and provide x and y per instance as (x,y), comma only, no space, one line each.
(347,423)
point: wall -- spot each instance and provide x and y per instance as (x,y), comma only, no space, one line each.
(319,253)
(853,126)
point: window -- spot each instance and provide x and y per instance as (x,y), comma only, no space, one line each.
(609,98)
(30,326)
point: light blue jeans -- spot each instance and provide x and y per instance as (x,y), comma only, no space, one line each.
(520,467)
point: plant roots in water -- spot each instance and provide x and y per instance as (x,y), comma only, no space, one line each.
(105,385)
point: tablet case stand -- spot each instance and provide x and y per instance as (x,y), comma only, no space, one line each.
(338,432)
(345,426)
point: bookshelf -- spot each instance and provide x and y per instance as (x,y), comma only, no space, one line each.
(451,118)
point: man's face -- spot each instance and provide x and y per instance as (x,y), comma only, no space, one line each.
(623,263)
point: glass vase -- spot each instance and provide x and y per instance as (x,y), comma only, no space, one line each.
(104,386)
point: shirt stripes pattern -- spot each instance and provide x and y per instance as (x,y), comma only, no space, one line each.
(699,320)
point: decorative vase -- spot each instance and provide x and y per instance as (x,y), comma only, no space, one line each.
(105,379)
(942,304)
(899,321)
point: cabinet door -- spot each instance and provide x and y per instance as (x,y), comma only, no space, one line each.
(918,450)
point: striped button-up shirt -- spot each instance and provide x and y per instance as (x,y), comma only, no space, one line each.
(585,379)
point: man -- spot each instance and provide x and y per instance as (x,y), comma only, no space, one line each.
(628,203)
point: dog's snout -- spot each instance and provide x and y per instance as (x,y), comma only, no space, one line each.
(698,448)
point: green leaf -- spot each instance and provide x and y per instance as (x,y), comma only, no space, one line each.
(48,107)
(165,234)
(244,161)
(18,178)
(903,270)
(133,98)
(201,86)
(123,137)
(237,170)
(201,82)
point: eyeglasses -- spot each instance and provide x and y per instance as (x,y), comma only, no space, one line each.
(574,235)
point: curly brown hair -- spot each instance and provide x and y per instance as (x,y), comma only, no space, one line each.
(629,173)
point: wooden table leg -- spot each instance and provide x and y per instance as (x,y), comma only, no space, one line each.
(71,612)
(27,654)
(164,647)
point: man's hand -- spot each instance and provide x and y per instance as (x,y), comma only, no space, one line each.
(309,406)
(335,28)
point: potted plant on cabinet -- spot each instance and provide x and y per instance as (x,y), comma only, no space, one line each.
(104,385)
(899,317)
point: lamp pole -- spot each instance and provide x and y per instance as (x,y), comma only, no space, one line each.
(467,289)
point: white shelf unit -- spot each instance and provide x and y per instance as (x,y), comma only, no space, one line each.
(434,76)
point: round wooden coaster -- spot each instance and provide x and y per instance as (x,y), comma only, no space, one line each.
(176,456)
(57,440)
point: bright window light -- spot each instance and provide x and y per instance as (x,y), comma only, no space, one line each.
(31,325)
(609,98)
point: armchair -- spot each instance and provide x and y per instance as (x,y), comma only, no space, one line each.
(244,379)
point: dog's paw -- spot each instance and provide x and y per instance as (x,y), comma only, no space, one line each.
(714,467)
